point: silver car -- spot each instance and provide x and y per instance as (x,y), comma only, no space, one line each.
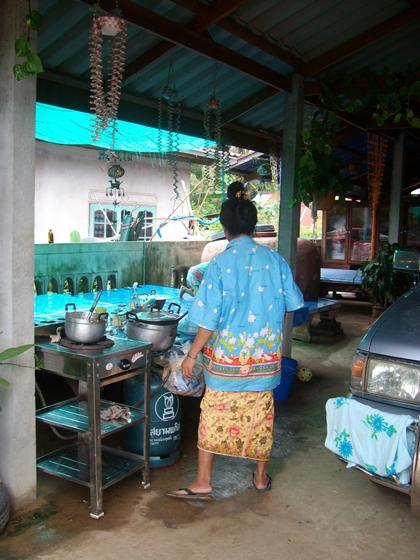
(386,370)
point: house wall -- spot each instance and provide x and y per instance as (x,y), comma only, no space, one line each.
(67,178)
(127,261)
(163,257)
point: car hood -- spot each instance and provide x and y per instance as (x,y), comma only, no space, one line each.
(396,333)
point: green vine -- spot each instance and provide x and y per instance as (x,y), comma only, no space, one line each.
(320,172)
(391,97)
(32,64)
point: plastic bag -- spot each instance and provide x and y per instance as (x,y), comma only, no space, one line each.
(175,381)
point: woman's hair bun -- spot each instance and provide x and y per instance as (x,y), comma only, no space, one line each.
(236,190)
(238,214)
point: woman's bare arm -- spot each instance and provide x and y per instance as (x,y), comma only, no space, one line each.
(199,342)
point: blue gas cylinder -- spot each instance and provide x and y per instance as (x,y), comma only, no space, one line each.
(165,425)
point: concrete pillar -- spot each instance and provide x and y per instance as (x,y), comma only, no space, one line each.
(396,188)
(289,214)
(17,185)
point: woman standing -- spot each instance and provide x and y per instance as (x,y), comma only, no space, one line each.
(239,310)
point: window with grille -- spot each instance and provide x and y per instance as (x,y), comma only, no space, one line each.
(105,221)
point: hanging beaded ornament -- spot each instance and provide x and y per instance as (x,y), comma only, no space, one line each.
(169,124)
(111,32)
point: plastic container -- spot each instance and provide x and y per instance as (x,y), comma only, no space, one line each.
(288,373)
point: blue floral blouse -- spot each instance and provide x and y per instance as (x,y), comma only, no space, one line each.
(243,297)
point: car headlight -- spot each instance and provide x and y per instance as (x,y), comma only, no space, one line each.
(397,380)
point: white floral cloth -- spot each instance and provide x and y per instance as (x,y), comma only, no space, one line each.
(370,438)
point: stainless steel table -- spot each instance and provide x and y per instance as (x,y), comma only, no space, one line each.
(88,461)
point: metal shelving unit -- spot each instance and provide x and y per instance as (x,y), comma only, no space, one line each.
(72,463)
(88,462)
(74,415)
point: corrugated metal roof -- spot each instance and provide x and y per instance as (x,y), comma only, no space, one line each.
(195,79)
(312,27)
(268,115)
(240,46)
(395,52)
(307,28)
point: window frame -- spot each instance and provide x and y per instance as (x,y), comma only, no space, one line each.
(120,208)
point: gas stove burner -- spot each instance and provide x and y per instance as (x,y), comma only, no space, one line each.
(100,345)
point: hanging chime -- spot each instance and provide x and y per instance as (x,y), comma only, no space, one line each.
(377,151)
(275,167)
(108,38)
(169,124)
(120,155)
(213,143)
(115,190)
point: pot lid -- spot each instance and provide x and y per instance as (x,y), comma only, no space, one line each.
(156,316)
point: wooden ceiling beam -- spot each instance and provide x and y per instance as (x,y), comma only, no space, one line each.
(200,23)
(246,34)
(193,40)
(263,44)
(372,35)
(248,103)
(219,10)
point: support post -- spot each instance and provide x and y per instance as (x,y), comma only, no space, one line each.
(17,187)
(396,189)
(289,214)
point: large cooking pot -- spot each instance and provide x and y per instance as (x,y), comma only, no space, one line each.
(83,326)
(155,326)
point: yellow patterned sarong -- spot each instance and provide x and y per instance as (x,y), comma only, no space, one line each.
(237,424)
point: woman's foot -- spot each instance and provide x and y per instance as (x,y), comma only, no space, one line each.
(195,490)
(261,482)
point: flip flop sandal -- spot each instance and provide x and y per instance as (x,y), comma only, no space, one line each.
(268,485)
(189,495)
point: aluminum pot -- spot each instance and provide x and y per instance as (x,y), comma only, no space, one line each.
(84,327)
(156,327)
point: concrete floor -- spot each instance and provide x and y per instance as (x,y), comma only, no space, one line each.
(317,509)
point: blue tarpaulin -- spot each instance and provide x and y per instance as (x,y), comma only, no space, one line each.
(51,307)
(65,126)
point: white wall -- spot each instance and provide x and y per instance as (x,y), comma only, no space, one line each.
(66,178)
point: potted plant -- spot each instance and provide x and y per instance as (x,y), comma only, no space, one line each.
(320,174)
(5,356)
(381,281)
